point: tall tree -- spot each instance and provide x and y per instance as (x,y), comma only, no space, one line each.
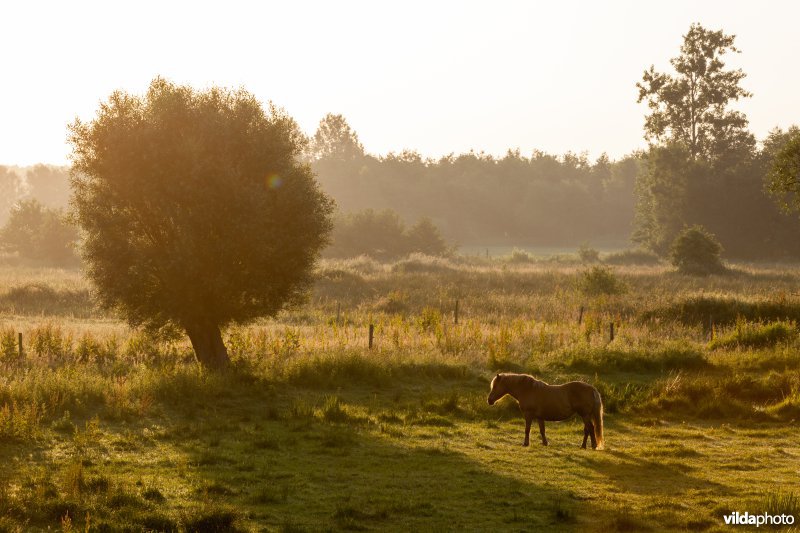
(195,210)
(335,138)
(690,118)
(692,106)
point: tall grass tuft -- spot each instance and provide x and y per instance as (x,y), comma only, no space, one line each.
(417,263)
(9,349)
(50,341)
(780,502)
(721,310)
(20,420)
(604,360)
(755,335)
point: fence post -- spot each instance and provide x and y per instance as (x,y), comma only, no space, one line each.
(371,332)
(611,330)
(580,316)
(21,352)
(456,313)
(338,308)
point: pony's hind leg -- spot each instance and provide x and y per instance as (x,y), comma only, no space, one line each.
(528,420)
(588,431)
(541,430)
(585,433)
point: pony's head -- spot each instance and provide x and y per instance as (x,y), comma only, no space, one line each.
(497,389)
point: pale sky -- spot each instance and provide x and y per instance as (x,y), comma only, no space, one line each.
(438,77)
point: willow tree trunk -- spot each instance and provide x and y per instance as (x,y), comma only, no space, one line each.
(208,346)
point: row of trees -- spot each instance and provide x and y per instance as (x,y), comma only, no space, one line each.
(479,199)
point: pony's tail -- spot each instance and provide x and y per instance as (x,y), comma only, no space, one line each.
(597,419)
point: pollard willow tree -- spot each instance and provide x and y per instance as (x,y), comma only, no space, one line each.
(195,211)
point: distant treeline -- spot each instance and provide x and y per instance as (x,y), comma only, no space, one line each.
(47,184)
(547,200)
(401,203)
(478,199)
(33,222)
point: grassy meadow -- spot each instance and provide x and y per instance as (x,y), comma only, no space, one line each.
(107,429)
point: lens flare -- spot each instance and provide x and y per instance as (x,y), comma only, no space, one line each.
(274,181)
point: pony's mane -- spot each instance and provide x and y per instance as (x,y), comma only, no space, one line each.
(521,378)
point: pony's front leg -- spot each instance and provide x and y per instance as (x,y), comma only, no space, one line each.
(541,430)
(528,420)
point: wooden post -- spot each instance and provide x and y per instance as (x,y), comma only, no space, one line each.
(455,314)
(611,330)
(580,316)
(338,308)
(371,332)
(21,352)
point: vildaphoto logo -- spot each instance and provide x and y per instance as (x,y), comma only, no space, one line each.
(764,519)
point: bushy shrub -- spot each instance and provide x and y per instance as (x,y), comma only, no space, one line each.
(587,254)
(383,235)
(519,256)
(695,251)
(394,302)
(599,280)
(425,238)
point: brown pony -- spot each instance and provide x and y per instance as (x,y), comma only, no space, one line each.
(543,402)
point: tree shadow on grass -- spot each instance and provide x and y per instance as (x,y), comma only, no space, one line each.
(296,474)
(301,461)
(234,452)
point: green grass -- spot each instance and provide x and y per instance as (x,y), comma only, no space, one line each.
(310,430)
(750,335)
